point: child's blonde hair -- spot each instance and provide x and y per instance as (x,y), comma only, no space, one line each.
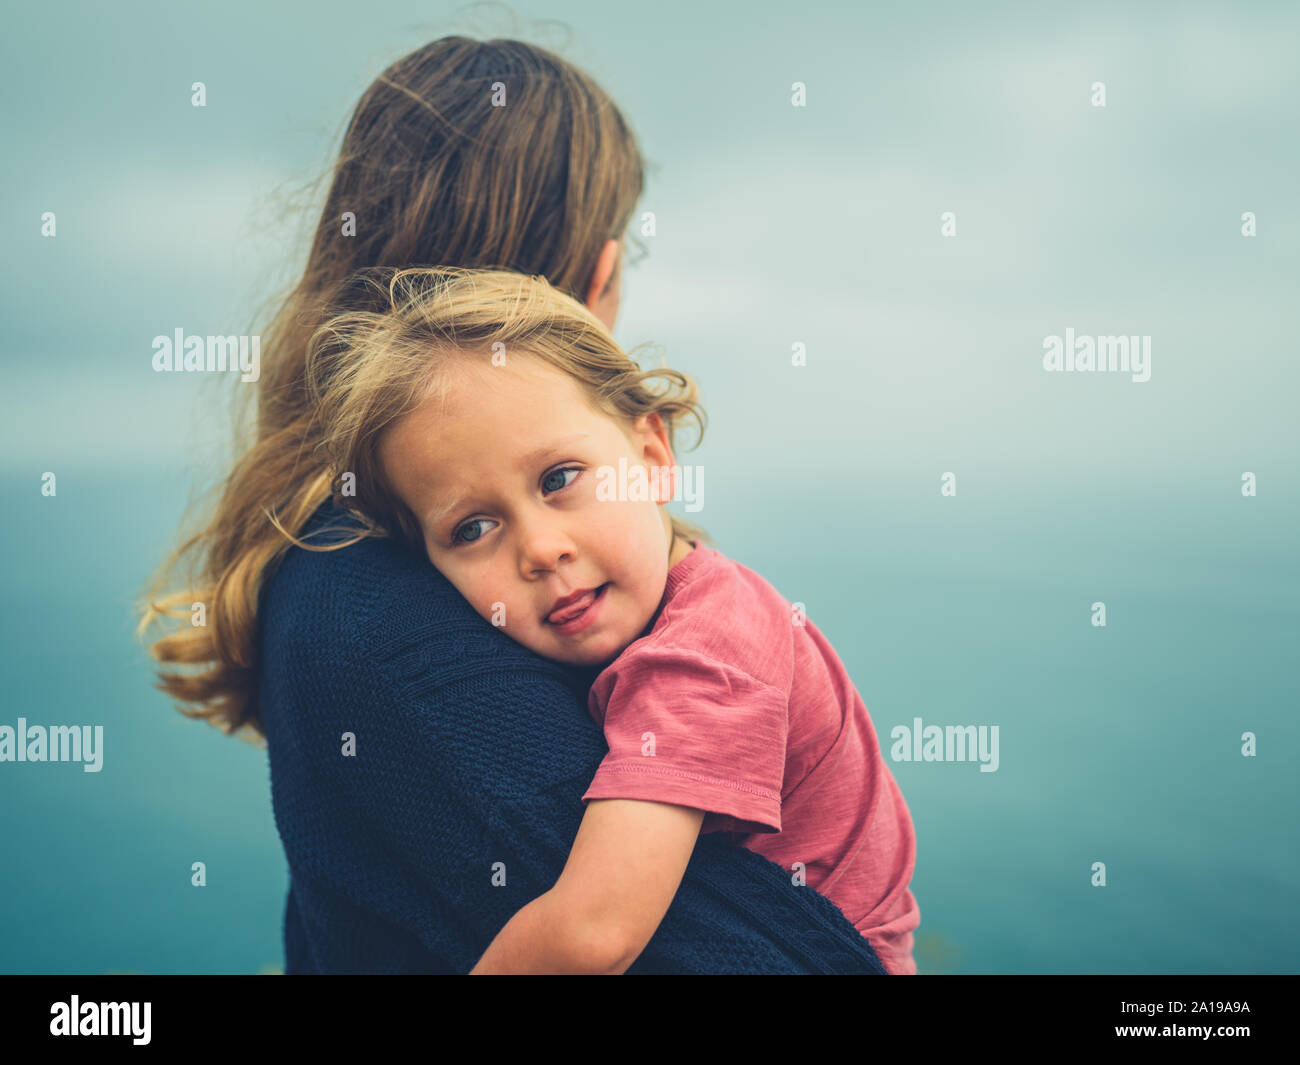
(366,369)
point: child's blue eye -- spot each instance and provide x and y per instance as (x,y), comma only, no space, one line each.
(559,473)
(457,539)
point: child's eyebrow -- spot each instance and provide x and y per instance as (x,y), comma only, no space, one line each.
(543,452)
(440,514)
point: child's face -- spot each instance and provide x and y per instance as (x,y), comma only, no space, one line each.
(503,482)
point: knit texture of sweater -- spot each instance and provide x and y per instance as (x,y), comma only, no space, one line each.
(426,780)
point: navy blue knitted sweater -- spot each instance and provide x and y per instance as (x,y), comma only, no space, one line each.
(471,757)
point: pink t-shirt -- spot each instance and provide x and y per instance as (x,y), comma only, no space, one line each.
(756,722)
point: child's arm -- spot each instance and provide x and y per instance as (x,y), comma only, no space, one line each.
(625,867)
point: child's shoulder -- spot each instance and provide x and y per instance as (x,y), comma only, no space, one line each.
(709,574)
(727,612)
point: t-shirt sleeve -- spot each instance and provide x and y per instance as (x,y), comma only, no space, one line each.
(687,729)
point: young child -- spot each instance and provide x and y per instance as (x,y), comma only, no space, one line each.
(488,421)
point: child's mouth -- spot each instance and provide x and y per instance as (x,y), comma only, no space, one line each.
(580,614)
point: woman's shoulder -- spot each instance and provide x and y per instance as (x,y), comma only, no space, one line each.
(371,639)
(347,572)
(329,593)
(377,606)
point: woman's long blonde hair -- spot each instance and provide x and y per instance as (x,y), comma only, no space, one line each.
(429,172)
(366,369)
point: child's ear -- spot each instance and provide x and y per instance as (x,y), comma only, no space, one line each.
(656,452)
(655,439)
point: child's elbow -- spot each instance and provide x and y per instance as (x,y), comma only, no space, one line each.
(601,936)
(603,949)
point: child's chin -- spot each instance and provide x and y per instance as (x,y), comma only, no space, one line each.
(590,655)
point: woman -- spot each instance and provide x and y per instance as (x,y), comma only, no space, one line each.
(427,771)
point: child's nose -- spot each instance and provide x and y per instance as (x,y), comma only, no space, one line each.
(544,544)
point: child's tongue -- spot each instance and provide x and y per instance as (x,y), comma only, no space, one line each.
(559,617)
